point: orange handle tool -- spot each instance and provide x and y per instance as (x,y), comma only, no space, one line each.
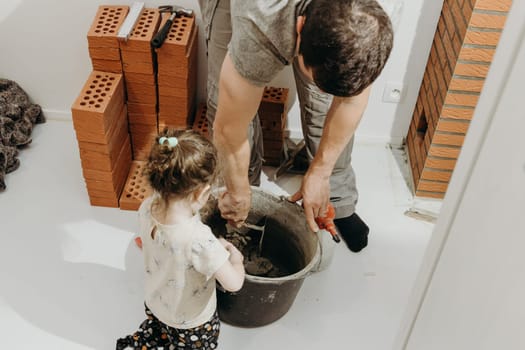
(327,223)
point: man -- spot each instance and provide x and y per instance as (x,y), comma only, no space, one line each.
(337,48)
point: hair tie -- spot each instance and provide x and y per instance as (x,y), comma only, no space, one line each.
(172,141)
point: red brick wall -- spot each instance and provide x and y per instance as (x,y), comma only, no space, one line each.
(464,44)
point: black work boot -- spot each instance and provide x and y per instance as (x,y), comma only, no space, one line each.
(354,232)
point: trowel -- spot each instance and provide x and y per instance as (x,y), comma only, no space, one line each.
(259,228)
(255,264)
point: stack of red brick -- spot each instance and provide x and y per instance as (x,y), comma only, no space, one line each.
(102,38)
(140,75)
(99,118)
(154,92)
(134,92)
(177,73)
(136,188)
(200,124)
(272,113)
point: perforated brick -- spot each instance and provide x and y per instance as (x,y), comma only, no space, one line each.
(139,79)
(112,66)
(136,188)
(105,26)
(178,82)
(138,59)
(143,118)
(104,53)
(186,58)
(142,93)
(273,136)
(201,122)
(272,125)
(141,144)
(143,31)
(173,108)
(174,104)
(185,90)
(274,99)
(141,108)
(273,122)
(108,187)
(143,128)
(177,73)
(115,176)
(176,93)
(99,90)
(100,101)
(178,37)
(139,67)
(177,125)
(136,56)
(93,158)
(116,136)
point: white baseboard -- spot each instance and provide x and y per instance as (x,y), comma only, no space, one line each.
(53,114)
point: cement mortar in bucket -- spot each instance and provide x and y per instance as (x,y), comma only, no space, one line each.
(293,249)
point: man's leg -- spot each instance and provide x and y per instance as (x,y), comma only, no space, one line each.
(220,32)
(314,105)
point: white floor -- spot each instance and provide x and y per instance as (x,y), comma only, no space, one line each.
(70,275)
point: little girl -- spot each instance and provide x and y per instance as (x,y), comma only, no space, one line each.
(182,258)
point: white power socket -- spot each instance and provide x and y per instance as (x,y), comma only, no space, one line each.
(393,92)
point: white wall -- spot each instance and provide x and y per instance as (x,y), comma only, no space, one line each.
(44,48)
(470,291)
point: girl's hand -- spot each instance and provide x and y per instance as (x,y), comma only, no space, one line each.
(236,256)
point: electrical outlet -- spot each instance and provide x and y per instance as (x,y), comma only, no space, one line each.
(394,92)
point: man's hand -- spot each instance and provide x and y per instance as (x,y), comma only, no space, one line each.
(238,103)
(235,208)
(315,193)
(340,124)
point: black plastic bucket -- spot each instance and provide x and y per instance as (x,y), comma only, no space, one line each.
(288,241)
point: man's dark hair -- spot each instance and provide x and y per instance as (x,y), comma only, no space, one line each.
(346,43)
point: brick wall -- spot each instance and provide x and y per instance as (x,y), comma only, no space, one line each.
(467,34)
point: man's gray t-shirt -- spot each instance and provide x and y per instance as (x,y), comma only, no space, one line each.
(263,37)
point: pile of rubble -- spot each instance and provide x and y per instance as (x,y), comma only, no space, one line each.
(17,117)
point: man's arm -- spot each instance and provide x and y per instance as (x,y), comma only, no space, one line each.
(237,105)
(341,122)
